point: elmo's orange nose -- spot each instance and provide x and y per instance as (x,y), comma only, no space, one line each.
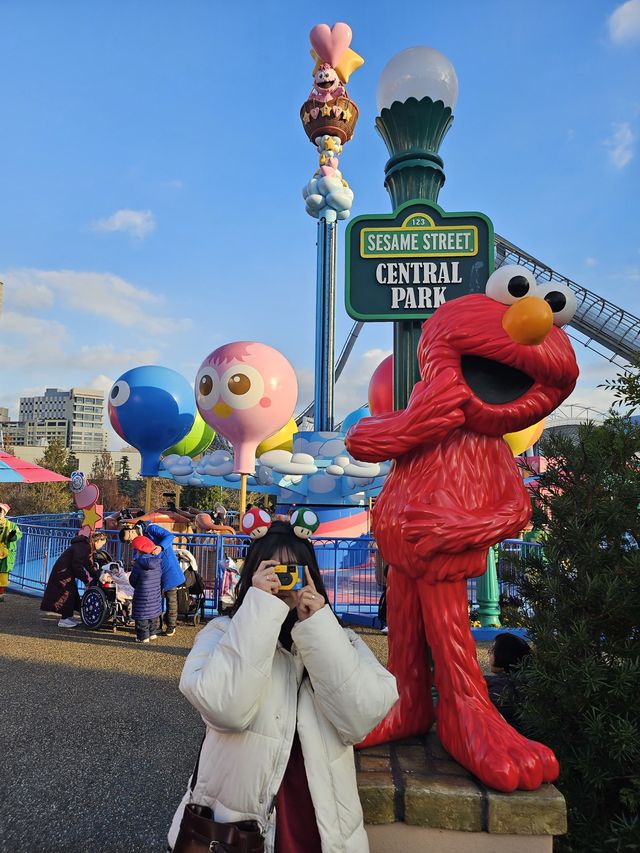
(528,321)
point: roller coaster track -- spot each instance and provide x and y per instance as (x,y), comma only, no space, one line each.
(598,324)
(601,326)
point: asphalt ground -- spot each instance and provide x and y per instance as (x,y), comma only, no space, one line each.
(96,741)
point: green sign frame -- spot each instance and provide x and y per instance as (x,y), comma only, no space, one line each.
(403,266)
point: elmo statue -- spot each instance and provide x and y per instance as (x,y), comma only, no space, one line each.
(490,364)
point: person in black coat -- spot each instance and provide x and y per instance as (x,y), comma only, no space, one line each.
(61,594)
(146,579)
(506,654)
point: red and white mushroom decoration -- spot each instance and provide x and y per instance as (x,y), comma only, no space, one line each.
(255,523)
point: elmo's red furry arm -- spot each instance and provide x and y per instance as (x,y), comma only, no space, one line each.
(440,528)
(432,413)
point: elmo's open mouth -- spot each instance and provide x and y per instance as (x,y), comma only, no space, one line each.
(493,382)
(325,84)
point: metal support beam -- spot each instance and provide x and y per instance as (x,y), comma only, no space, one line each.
(325,320)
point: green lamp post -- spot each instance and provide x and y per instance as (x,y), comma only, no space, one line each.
(416,94)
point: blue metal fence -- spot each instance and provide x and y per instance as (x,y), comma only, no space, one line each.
(347,566)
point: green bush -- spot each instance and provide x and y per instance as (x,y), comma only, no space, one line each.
(580,690)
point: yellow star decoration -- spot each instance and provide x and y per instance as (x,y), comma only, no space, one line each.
(349,63)
(347,114)
(329,144)
(91,517)
(306,118)
(326,110)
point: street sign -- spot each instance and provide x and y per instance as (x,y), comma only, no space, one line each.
(406,265)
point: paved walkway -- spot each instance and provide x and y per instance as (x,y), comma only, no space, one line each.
(97,742)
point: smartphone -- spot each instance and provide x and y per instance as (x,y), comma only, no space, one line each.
(290,576)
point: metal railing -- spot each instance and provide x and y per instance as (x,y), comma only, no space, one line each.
(347,566)
(57,519)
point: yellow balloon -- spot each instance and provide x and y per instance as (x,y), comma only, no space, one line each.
(349,63)
(281,440)
(524,438)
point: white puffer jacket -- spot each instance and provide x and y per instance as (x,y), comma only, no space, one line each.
(250,693)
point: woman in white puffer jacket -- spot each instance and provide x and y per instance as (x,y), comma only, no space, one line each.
(284,692)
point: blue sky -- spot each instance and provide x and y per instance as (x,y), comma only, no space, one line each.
(153,161)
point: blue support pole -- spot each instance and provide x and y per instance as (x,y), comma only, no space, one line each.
(325,321)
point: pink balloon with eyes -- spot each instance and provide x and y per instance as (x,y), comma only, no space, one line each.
(246,391)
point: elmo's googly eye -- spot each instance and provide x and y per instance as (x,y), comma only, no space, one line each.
(119,394)
(207,387)
(510,283)
(561,299)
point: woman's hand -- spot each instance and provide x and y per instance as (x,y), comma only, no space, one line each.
(309,599)
(265,578)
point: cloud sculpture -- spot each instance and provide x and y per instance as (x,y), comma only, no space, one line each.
(264,475)
(177,466)
(275,457)
(328,197)
(300,463)
(216,464)
(368,470)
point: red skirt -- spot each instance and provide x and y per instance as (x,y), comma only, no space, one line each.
(296,827)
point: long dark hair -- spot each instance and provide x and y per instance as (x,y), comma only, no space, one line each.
(279,539)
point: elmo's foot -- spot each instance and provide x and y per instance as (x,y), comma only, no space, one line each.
(407,718)
(482,741)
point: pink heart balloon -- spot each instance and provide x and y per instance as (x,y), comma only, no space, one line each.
(87,496)
(331,44)
(315,112)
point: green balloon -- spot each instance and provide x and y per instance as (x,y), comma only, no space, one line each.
(195,441)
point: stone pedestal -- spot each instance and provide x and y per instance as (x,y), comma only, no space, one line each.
(415,797)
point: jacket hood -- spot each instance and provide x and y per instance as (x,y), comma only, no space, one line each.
(76,539)
(149,561)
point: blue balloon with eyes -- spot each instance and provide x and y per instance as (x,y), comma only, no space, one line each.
(353,418)
(151,408)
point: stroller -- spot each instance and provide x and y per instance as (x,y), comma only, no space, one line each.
(107,599)
(191,595)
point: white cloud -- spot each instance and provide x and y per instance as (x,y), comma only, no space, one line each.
(591,262)
(101,383)
(28,297)
(624,22)
(353,386)
(101,294)
(137,223)
(37,344)
(620,145)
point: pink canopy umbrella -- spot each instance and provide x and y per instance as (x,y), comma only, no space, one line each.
(14,470)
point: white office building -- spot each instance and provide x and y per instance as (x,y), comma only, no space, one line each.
(82,410)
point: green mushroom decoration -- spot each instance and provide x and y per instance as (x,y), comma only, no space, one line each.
(304,522)
(196,441)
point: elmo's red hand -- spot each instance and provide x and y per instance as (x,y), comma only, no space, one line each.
(434,410)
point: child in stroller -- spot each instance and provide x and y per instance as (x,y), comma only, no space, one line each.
(191,595)
(108,598)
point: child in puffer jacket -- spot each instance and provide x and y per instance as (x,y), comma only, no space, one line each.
(146,579)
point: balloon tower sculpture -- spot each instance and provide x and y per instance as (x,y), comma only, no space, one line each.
(152,408)
(490,364)
(246,391)
(329,118)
